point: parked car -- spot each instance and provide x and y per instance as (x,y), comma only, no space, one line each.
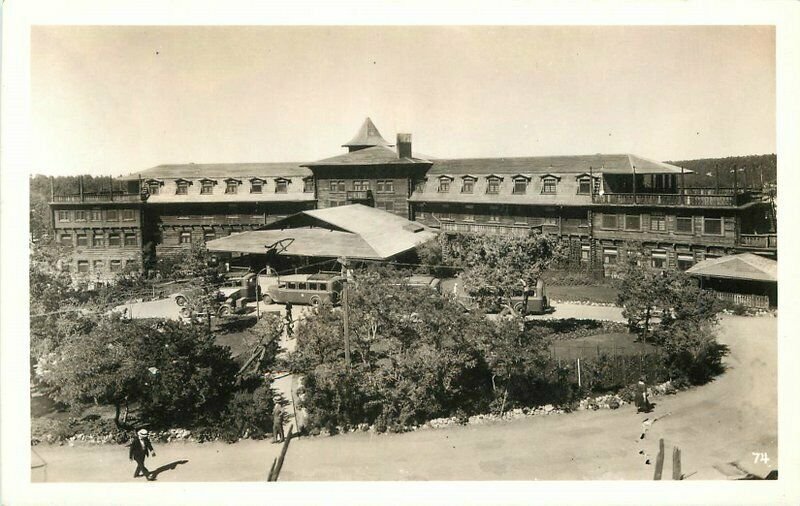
(537,300)
(311,289)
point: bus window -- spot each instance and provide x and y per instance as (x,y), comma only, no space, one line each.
(301,286)
(312,286)
(291,286)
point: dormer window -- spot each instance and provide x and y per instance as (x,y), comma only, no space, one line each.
(584,186)
(207,186)
(468,184)
(153,187)
(444,184)
(281,185)
(232,186)
(493,184)
(520,184)
(182,187)
(256,185)
(549,183)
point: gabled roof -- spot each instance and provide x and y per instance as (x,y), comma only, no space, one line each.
(600,164)
(376,155)
(745,266)
(354,231)
(368,135)
(219,171)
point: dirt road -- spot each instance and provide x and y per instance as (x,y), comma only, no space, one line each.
(724,421)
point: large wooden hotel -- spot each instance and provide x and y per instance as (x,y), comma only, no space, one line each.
(601,204)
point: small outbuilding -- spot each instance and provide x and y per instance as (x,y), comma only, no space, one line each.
(746,279)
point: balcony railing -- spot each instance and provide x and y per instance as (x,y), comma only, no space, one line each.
(699,197)
(98,197)
(481,228)
(767,241)
(359,195)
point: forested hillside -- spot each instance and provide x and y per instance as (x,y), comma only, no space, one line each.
(751,170)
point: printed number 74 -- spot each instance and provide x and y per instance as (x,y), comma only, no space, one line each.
(760,457)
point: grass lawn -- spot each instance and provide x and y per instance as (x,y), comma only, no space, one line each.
(621,343)
(605,294)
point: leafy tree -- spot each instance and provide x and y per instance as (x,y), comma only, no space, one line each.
(502,266)
(174,373)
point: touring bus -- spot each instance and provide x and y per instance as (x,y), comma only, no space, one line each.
(309,289)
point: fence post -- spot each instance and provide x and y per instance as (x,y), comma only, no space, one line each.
(676,464)
(579,373)
(659,460)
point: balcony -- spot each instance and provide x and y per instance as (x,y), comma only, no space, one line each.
(764,241)
(97,198)
(691,197)
(359,195)
(481,228)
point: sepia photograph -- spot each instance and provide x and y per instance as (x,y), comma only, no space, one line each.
(411,253)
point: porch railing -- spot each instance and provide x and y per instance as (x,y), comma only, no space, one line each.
(769,241)
(745,299)
(482,228)
(98,197)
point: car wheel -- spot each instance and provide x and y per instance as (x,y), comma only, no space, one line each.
(185,312)
(181,300)
(518,307)
(224,311)
(267,299)
(316,301)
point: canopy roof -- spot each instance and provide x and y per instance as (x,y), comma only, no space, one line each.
(354,231)
(744,266)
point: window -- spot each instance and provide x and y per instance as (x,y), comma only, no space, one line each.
(80,215)
(291,286)
(337,185)
(609,221)
(130,239)
(98,240)
(335,203)
(181,187)
(444,185)
(712,226)
(360,185)
(128,215)
(63,216)
(584,186)
(549,185)
(468,215)
(685,261)
(308,185)
(494,214)
(493,185)
(683,224)
(114,239)
(185,238)
(520,186)
(256,186)
(97,265)
(658,223)
(551,221)
(231,186)
(112,215)
(386,206)
(633,222)
(583,221)
(82,240)
(468,185)
(281,185)
(209,235)
(386,186)
(65,240)
(153,187)
(585,251)
(115,265)
(206,187)
(658,258)
(95,215)
(610,256)
(83,266)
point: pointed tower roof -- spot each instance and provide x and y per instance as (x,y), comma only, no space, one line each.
(367,136)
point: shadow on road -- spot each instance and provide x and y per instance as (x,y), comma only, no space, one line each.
(168,467)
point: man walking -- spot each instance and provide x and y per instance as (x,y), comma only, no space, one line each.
(141,448)
(277,422)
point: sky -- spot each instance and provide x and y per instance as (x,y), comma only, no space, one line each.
(115,100)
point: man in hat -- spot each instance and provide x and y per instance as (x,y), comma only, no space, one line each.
(141,448)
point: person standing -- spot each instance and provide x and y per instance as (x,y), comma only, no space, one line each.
(140,449)
(642,402)
(289,320)
(277,422)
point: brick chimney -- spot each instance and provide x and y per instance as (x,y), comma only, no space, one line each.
(404,145)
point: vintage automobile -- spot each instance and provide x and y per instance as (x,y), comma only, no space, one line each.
(310,289)
(537,300)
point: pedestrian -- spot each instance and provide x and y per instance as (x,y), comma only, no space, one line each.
(642,402)
(141,448)
(277,422)
(289,320)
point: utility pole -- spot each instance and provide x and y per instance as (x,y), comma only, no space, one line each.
(345,311)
